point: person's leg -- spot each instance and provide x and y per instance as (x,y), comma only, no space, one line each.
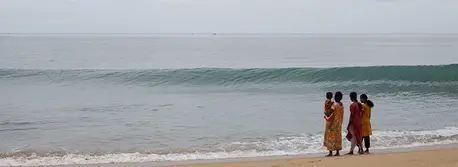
(367,143)
(329,155)
(360,149)
(353,141)
(352,146)
(360,146)
(337,153)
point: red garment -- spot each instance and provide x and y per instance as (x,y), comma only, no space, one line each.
(327,105)
(356,122)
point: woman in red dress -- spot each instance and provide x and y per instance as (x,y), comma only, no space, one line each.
(354,128)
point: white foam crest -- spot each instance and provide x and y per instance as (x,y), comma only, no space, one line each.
(380,140)
(294,145)
(70,159)
(447,131)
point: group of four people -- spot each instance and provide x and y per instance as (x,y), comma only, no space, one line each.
(359,126)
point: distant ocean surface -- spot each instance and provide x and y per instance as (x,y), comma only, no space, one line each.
(95,98)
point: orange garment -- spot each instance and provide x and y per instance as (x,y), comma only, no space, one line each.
(327,107)
(367,127)
(333,132)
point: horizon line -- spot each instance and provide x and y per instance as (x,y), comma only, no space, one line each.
(218,33)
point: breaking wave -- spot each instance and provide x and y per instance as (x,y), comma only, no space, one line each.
(226,76)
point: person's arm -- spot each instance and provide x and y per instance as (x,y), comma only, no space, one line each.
(331,110)
(329,118)
(351,114)
(350,121)
(366,107)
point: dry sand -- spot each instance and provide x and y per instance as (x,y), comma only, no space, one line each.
(439,158)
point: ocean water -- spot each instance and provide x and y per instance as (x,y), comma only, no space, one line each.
(98,98)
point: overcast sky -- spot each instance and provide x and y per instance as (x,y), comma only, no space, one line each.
(229,16)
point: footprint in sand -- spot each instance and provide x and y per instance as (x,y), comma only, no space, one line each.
(314,161)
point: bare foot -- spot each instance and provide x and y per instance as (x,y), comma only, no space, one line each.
(349,153)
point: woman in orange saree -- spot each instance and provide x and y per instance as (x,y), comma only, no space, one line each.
(333,132)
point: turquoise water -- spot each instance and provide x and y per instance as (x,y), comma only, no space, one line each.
(231,76)
(92,99)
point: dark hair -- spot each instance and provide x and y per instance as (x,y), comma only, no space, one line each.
(338,96)
(329,95)
(354,98)
(368,102)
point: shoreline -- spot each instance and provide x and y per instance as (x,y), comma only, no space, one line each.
(443,158)
(235,162)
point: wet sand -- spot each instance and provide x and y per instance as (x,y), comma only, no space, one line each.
(439,155)
(442,158)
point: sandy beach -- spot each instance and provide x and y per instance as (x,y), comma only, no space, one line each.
(442,158)
(437,156)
